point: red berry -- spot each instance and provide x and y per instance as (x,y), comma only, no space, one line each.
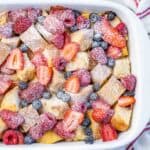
(59,63)
(114,52)
(98,55)
(67,38)
(121,27)
(12,119)
(79,106)
(21,25)
(129,82)
(58,40)
(125,101)
(82,22)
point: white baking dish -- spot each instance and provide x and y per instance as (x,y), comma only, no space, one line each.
(139,54)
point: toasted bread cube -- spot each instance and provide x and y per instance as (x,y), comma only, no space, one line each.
(94,126)
(3,17)
(49,137)
(13,42)
(121,118)
(11,100)
(55,106)
(115,22)
(57,81)
(47,35)
(79,134)
(125,52)
(4,52)
(83,38)
(100,73)
(3,127)
(111,90)
(33,39)
(81,61)
(122,67)
(31,117)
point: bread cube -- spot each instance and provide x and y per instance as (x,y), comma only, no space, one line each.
(55,106)
(13,42)
(33,39)
(11,100)
(3,127)
(81,61)
(100,73)
(49,137)
(28,72)
(94,126)
(31,117)
(83,37)
(3,17)
(122,67)
(79,134)
(4,52)
(111,90)
(125,52)
(115,22)
(121,118)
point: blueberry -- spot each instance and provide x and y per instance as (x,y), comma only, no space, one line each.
(47,95)
(88,105)
(23,85)
(111,15)
(110,62)
(94,17)
(60,94)
(97,37)
(96,87)
(95,44)
(23,103)
(24,48)
(93,96)
(89,140)
(36,104)
(73,28)
(88,131)
(77,13)
(66,97)
(129,93)
(41,19)
(104,45)
(28,139)
(67,74)
(86,122)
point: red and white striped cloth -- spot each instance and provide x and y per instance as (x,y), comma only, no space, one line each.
(142,10)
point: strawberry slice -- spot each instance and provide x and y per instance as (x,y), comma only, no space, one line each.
(44,74)
(70,50)
(15,61)
(72,119)
(114,52)
(108,133)
(111,35)
(72,84)
(125,101)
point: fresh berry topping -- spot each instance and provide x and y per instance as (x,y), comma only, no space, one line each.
(70,50)
(58,40)
(108,133)
(104,45)
(96,87)
(59,63)
(23,103)
(23,85)
(110,62)
(63,96)
(77,13)
(13,137)
(94,17)
(67,38)
(97,37)
(89,140)
(37,104)
(79,107)
(56,9)
(21,25)
(53,24)
(84,76)
(114,52)
(44,74)
(121,27)
(96,44)
(93,97)
(125,101)
(129,93)
(82,22)
(98,55)
(33,92)
(86,122)
(129,82)
(12,119)
(73,28)
(72,84)
(88,131)
(15,60)
(88,105)
(67,74)
(111,15)
(41,19)
(60,94)
(24,48)
(47,94)
(28,140)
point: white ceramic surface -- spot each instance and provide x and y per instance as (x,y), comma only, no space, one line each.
(139,54)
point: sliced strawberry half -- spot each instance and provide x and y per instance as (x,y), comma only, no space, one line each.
(114,52)
(125,101)
(72,119)
(44,74)
(111,35)
(70,50)
(108,133)
(72,84)
(15,61)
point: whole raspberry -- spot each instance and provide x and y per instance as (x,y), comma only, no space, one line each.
(98,55)
(79,106)
(12,119)
(59,63)
(21,25)
(82,22)
(121,27)
(84,76)
(13,137)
